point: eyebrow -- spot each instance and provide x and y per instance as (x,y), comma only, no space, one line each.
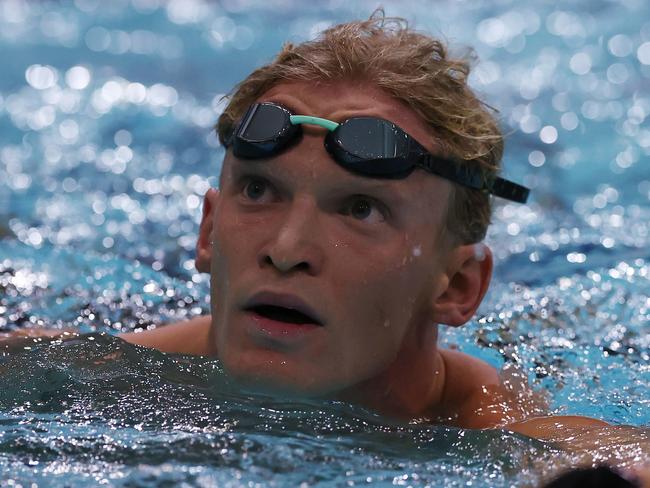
(351,183)
(268,170)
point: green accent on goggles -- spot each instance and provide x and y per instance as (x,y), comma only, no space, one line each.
(308,119)
(368,146)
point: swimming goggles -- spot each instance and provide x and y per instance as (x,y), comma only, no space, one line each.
(367,146)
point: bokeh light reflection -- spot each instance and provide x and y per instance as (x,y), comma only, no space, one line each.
(107,111)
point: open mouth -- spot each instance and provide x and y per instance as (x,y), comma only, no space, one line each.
(283,314)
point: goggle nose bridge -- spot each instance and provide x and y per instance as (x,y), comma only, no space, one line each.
(399,166)
(308,119)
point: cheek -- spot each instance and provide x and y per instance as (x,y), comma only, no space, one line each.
(384,287)
(229,250)
(377,307)
(234,233)
(409,278)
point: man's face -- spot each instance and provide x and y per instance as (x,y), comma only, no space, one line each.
(360,257)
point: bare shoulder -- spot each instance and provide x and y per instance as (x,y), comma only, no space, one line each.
(552,427)
(591,441)
(466,371)
(187,337)
(465,376)
(479,396)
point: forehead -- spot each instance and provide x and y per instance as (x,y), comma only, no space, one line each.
(343,99)
(425,197)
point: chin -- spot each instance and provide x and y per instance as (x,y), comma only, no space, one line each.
(280,377)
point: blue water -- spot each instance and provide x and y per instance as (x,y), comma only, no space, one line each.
(106,149)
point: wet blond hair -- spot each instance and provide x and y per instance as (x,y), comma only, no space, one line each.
(415,69)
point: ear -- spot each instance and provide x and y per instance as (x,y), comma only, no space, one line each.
(468,276)
(206,238)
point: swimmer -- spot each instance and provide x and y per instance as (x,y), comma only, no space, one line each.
(353,200)
(346,228)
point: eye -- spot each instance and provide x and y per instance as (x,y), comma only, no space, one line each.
(365,209)
(256,189)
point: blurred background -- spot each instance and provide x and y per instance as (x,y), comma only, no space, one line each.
(107,147)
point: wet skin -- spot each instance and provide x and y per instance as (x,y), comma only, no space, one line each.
(371,262)
(370,259)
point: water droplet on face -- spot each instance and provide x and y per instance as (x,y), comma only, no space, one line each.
(479,251)
(417,251)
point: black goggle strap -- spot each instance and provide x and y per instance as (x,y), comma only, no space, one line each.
(463,175)
(458,173)
(509,190)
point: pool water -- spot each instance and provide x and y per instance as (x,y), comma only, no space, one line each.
(106,150)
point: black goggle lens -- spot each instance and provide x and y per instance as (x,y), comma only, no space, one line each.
(364,145)
(264,131)
(266,122)
(371,139)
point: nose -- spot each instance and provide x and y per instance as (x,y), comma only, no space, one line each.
(295,245)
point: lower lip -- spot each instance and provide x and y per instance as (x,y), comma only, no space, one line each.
(279,330)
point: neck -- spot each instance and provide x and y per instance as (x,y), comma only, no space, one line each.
(411,387)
